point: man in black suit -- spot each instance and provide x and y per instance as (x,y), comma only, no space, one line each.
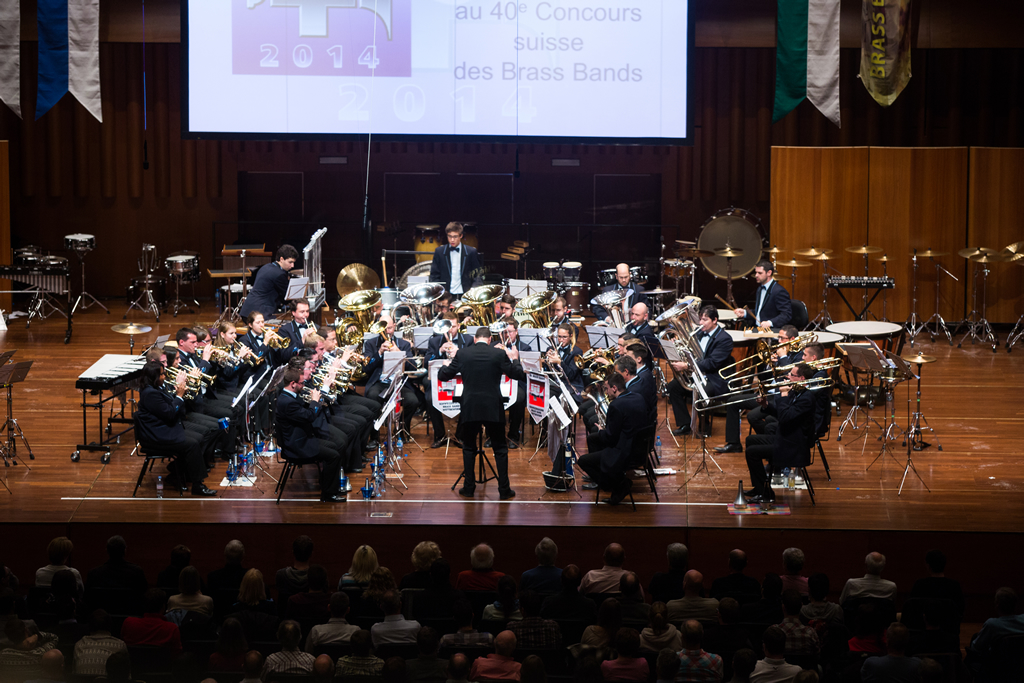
(374,350)
(303,430)
(456,265)
(610,448)
(516,411)
(297,328)
(793,407)
(638,325)
(271,284)
(623,280)
(442,346)
(640,379)
(482,367)
(560,316)
(756,416)
(717,347)
(771,303)
(192,359)
(117,572)
(159,419)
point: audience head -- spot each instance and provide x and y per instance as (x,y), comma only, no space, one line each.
(774,642)
(424,555)
(391,602)
(627,642)
(817,586)
(119,666)
(728,610)
(793,560)
(737,560)
(7,601)
(571,578)
(936,561)
(154,601)
(59,550)
(743,664)
(667,664)
(234,553)
(874,564)
(252,591)
(532,670)
(181,556)
(360,643)
(51,665)
(189,582)
(116,547)
(505,643)
(482,557)
(458,667)
(614,555)
(428,641)
(588,670)
(231,640)
(609,616)
(317,578)
(339,605)
(394,668)
(693,634)
(99,621)
(931,671)
(16,631)
(381,581)
(658,617)
(507,594)
(771,587)
(323,669)
(693,582)
(364,561)
(440,574)
(302,549)
(629,586)
(253,664)
(462,612)
(530,603)
(289,633)
(547,552)
(1006,601)
(806,676)
(791,602)
(897,638)
(678,557)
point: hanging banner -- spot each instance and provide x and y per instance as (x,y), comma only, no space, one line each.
(807,57)
(10,54)
(885,49)
(443,394)
(537,396)
(69,54)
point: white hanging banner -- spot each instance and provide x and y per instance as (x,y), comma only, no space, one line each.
(537,396)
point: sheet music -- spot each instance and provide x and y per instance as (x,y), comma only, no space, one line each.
(671,352)
(297,288)
(530,361)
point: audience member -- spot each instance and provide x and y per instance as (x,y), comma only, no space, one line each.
(793,564)
(395,628)
(257,614)
(499,665)
(668,585)
(729,638)
(895,666)
(152,628)
(667,664)
(252,667)
(62,604)
(290,660)
(190,594)
(660,633)
(936,585)
(423,556)
(51,667)
(506,607)
(292,580)
(426,667)
(743,664)
(692,605)
(800,639)
(229,577)
(819,608)
(933,638)
(569,603)
(482,576)
(1007,623)
(117,572)
(458,668)
(323,669)
(773,668)
(360,662)
(545,577)
(231,648)
(871,585)
(465,634)
(606,579)
(23,659)
(609,621)
(92,651)
(119,668)
(8,612)
(8,578)
(438,599)
(588,670)
(364,562)
(932,672)
(696,664)
(381,581)
(868,638)
(311,606)
(181,557)
(736,584)
(59,552)
(627,666)
(532,631)
(532,670)
(336,630)
(767,610)
(632,600)
(393,670)
(806,676)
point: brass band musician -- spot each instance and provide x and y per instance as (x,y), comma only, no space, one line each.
(717,347)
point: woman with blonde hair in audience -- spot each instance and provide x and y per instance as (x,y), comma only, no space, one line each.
(257,614)
(59,552)
(364,563)
(190,598)
(423,556)
(659,632)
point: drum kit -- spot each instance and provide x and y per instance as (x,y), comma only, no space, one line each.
(976,322)
(182,267)
(150,290)
(565,278)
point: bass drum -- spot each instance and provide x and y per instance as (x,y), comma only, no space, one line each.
(741,230)
(420,269)
(576,295)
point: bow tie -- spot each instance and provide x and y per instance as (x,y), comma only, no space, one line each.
(301,326)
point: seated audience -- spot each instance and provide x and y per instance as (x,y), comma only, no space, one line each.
(181,557)
(871,585)
(545,578)
(190,594)
(229,577)
(291,580)
(569,603)
(819,608)
(696,664)
(9,612)
(692,605)
(465,634)
(1007,623)
(290,660)
(231,648)
(506,607)
(660,633)
(426,667)
(361,662)
(364,562)
(481,576)
(729,638)
(868,636)
(23,659)
(423,556)
(152,628)
(532,670)
(627,666)
(767,610)
(895,666)
(92,651)
(667,665)
(119,668)
(323,669)
(117,572)
(395,628)
(381,581)
(668,585)
(743,664)
(437,600)
(773,668)
(311,606)
(606,579)
(51,667)
(458,668)
(735,583)
(933,638)
(252,667)
(609,621)
(257,614)
(393,670)
(793,563)
(632,600)
(937,586)
(533,631)
(800,639)
(336,630)
(59,552)
(500,665)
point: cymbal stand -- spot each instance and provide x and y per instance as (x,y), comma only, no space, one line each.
(147,264)
(940,324)
(85,298)
(1015,334)
(912,326)
(978,327)
(728,277)
(705,455)
(823,319)
(915,434)
(12,430)
(178,305)
(885,273)
(663,392)
(37,308)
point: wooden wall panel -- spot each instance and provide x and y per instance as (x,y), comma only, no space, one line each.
(918,199)
(5,219)
(994,219)
(819,199)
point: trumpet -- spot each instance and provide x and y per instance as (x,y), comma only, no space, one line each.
(222,356)
(762,389)
(275,341)
(306,395)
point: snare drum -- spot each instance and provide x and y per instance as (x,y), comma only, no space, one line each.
(428,238)
(27,256)
(639,274)
(677,268)
(79,242)
(553,271)
(157,285)
(572,270)
(606,277)
(576,295)
(183,266)
(53,261)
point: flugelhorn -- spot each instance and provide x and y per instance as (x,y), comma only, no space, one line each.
(251,358)
(192,383)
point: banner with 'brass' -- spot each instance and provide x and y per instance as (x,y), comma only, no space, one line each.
(885,49)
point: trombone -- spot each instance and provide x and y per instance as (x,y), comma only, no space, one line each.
(762,389)
(746,368)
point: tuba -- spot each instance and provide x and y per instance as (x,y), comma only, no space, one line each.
(419,297)
(614,301)
(360,305)
(481,301)
(534,311)
(681,323)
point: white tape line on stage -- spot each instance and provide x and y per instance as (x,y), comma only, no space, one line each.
(379,501)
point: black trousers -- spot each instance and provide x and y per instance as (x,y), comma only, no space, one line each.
(213,437)
(732,419)
(758,419)
(516,413)
(470,434)
(591,464)
(410,400)
(760,447)
(589,412)
(327,452)
(680,397)
(189,457)
(350,429)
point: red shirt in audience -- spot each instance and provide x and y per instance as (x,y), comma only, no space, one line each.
(478,580)
(153,630)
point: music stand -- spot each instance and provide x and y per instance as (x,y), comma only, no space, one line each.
(602,337)
(864,360)
(381,461)
(11,374)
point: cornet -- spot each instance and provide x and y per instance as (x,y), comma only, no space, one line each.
(275,341)
(246,354)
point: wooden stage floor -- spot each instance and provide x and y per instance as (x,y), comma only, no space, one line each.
(972,397)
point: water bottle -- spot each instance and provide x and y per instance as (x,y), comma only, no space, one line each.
(398,444)
(790,479)
(159,486)
(657,446)
(231,474)
(217,296)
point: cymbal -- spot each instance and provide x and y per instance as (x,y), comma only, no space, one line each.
(356,276)
(694,253)
(920,358)
(774,251)
(883,258)
(659,292)
(1013,252)
(822,257)
(131,328)
(793,263)
(930,253)
(988,258)
(813,251)
(728,252)
(864,249)
(975,251)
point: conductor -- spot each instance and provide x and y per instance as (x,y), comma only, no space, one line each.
(482,366)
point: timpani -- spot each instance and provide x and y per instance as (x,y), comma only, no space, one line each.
(853,330)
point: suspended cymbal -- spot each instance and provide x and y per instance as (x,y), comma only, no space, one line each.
(975,251)
(694,253)
(774,251)
(920,358)
(131,328)
(356,276)
(793,263)
(1013,252)
(822,257)
(728,252)
(359,300)
(813,251)
(883,258)
(988,258)
(659,292)
(864,249)
(930,253)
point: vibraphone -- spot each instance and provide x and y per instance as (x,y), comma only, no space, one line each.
(43,281)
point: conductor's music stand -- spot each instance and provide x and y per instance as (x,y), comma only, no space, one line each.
(10,375)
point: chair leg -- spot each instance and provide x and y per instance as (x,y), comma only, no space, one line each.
(824,461)
(810,486)
(288,467)
(146,462)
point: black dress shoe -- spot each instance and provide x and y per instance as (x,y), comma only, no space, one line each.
(682,431)
(437,444)
(507,494)
(357,470)
(487,444)
(467,492)
(201,490)
(512,443)
(371,446)
(589,486)
(761,499)
(751,493)
(729,448)
(335,498)
(621,491)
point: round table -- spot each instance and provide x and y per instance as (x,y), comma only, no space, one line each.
(864,328)
(828,338)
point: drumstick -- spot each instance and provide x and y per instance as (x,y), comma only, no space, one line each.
(384,269)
